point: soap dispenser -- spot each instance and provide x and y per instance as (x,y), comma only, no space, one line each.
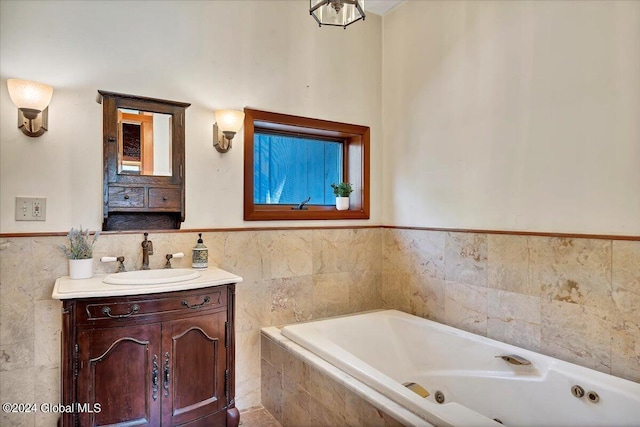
(200,258)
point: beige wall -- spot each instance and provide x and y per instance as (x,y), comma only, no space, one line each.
(516,115)
(213,54)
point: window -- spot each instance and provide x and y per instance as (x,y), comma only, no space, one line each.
(289,159)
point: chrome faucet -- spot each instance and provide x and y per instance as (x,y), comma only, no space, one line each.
(147,249)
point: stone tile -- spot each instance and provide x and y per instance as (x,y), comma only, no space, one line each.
(625,348)
(248,393)
(416,252)
(626,277)
(366,244)
(466,307)
(427,297)
(47,390)
(47,326)
(17,386)
(272,353)
(576,271)
(272,393)
(360,413)
(16,319)
(365,290)
(508,264)
(49,264)
(18,355)
(296,370)
(248,355)
(258,418)
(330,294)
(466,258)
(508,306)
(322,415)
(577,334)
(514,319)
(291,300)
(16,274)
(515,332)
(246,253)
(332,251)
(290,253)
(394,291)
(296,405)
(325,390)
(252,305)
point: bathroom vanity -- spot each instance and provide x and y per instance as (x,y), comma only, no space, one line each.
(153,354)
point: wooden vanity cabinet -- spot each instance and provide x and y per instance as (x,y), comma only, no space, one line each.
(150,360)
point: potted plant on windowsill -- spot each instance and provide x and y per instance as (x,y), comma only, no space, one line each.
(342,192)
(80,253)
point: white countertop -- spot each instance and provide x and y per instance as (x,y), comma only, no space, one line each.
(67,288)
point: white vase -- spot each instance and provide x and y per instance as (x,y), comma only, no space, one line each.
(81,268)
(342,203)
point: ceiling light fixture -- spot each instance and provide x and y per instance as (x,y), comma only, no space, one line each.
(337,13)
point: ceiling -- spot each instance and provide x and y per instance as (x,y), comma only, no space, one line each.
(380,7)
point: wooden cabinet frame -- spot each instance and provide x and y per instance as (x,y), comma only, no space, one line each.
(127,196)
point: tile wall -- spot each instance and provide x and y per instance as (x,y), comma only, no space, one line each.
(298,394)
(575,299)
(288,276)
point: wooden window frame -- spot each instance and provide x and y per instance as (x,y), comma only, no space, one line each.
(355,160)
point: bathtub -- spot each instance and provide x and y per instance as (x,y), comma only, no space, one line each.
(386,349)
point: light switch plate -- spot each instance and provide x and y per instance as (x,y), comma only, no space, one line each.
(31,209)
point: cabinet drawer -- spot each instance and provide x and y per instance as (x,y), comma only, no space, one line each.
(126,197)
(164,198)
(153,307)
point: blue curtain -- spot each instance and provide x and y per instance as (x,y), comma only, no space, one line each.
(287,170)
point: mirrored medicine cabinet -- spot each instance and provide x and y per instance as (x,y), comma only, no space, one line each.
(143,156)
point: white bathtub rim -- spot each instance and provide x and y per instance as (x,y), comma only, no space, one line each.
(439,414)
(354,385)
(448,414)
(549,362)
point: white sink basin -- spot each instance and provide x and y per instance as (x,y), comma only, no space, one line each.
(151,277)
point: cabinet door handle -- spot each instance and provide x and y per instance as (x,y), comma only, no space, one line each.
(154,377)
(166,375)
(107,311)
(206,300)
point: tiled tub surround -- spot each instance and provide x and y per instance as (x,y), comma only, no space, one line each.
(300,389)
(571,298)
(574,299)
(288,276)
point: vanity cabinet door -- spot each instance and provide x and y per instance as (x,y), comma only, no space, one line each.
(119,368)
(194,363)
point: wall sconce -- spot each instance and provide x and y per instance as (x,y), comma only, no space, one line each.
(32,100)
(228,123)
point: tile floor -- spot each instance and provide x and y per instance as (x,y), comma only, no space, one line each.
(258,418)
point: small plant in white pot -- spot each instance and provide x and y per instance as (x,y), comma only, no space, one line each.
(80,253)
(342,192)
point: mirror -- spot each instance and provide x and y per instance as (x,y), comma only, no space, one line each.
(144,143)
(143,162)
